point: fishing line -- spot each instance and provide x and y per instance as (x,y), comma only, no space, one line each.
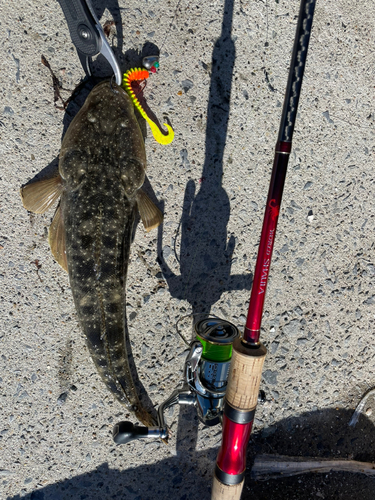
(193,315)
(179,332)
(170,26)
(264,55)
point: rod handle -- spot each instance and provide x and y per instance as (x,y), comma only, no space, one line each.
(245,375)
(222,491)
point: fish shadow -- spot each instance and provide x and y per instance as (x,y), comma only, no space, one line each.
(322,433)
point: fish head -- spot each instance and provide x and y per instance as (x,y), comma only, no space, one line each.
(104,139)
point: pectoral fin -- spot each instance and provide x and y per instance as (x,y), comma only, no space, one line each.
(56,239)
(150,214)
(39,196)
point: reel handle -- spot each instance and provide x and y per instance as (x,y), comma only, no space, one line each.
(124,432)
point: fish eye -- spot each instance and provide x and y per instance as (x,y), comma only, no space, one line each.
(91,117)
(132,174)
(73,166)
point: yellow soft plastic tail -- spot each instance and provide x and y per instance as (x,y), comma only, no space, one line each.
(137,74)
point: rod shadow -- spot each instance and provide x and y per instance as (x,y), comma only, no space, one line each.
(323,433)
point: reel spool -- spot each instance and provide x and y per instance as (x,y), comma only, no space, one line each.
(216,337)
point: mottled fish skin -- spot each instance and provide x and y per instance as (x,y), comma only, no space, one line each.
(102,164)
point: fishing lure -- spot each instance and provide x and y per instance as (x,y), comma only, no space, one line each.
(136,75)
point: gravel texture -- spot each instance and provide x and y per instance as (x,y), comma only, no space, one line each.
(56,417)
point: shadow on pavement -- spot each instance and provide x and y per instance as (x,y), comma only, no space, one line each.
(323,434)
(205,257)
(188,476)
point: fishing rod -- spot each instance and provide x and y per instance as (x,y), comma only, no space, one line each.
(248,352)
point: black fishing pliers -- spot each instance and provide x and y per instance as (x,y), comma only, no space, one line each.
(88,35)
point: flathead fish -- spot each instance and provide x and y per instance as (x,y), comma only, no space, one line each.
(101,170)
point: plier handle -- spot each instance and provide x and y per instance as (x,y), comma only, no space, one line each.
(88,35)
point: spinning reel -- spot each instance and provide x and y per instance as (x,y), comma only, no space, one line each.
(205,380)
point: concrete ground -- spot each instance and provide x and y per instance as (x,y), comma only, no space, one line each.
(56,415)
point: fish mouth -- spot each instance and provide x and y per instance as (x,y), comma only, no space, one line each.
(109,87)
(109,102)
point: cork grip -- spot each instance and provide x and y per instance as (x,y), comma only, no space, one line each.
(221,491)
(244,376)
